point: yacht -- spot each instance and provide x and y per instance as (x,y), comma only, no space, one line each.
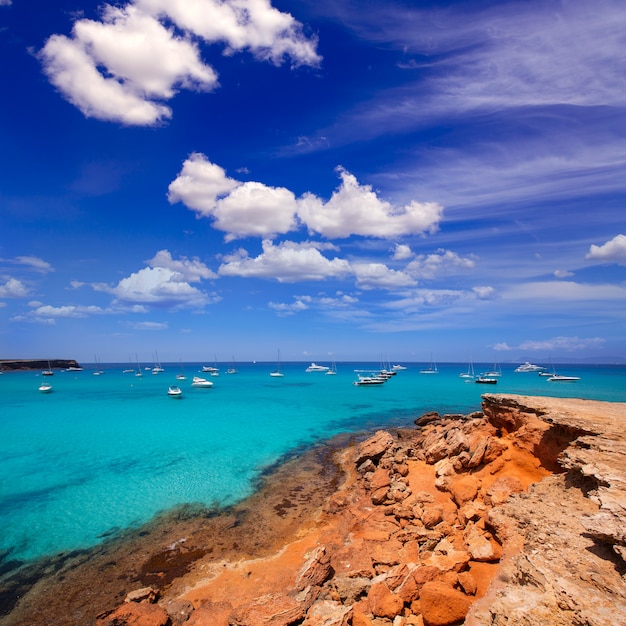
(314,367)
(45,387)
(398,368)
(201,382)
(529,367)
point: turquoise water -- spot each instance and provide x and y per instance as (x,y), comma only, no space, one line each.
(105,453)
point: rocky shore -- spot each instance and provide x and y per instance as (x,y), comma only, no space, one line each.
(513,515)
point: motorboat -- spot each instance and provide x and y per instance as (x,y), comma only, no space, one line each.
(181,377)
(485,380)
(563,379)
(364,381)
(45,387)
(314,367)
(174,392)
(529,367)
(208,369)
(398,368)
(201,382)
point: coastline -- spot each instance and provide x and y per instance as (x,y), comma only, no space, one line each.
(475,513)
(9,365)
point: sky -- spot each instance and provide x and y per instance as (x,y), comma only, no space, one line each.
(209,180)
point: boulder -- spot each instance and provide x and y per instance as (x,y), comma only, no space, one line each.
(443,605)
(374,447)
(383,602)
(274,609)
(315,570)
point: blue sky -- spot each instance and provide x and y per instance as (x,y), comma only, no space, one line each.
(334,179)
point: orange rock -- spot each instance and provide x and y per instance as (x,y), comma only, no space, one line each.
(464,489)
(136,614)
(360,619)
(442,605)
(211,614)
(383,602)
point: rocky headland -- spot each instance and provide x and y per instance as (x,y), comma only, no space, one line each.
(513,515)
(36,364)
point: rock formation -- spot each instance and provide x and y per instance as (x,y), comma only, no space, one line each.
(515,515)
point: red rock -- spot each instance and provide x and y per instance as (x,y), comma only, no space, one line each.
(374,447)
(383,602)
(211,613)
(136,614)
(442,605)
(360,619)
(463,489)
(273,609)
(315,571)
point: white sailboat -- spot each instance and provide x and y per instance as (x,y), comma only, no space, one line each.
(277,373)
(469,375)
(432,369)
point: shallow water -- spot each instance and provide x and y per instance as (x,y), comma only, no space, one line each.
(105,453)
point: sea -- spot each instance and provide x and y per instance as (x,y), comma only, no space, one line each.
(102,454)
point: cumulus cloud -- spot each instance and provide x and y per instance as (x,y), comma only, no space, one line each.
(13,288)
(379,276)
(402,252)
(244,209)
(356,209)
(125,66)
(613,251)
(166,283)
(190,270)
(442,262)
(287,262)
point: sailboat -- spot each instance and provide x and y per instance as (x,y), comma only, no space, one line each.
(232,369)
(332,370)
(48,372)
(138,373)
(496,371)
(470,371)
(97,371)
(181,376)
(157,369)
(277,373)
(432,369)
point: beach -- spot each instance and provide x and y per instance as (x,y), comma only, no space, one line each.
(483,513)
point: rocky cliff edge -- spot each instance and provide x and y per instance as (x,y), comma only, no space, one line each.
(515,515)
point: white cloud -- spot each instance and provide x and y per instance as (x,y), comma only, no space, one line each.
(287,262)
(356,209)
(13,288)
(164,284)
(199,185)
(148,325)
(484,292)
(441,263)
(284,309)
(123,67)
(402,252)
(69,311)
(379,276)
(613,251)
(254,24)
(5,3)
(35,263)
(254,209)
(563,274)
(192,271)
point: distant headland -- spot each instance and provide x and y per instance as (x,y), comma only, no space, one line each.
(37,364)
